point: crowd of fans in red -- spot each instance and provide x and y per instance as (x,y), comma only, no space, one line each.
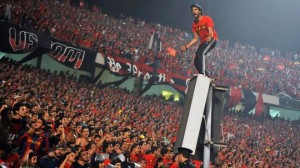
(52,120)
(241,65)
(41,111)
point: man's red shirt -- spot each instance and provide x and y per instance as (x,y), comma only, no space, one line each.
(151,161)
(201,28)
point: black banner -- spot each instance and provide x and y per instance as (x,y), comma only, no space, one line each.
(122,66)
(73,56)
(16,40)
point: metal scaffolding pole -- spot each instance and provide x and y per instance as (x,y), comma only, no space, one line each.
(207,140)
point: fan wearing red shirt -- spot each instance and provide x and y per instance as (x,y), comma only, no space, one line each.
(151,158)
(175,160)
(167,156)
(203,28)
(134,153)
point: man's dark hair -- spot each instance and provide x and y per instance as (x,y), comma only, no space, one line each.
(197,6)
(18,106)
(185,152)
(133,146)
(186,155)
(80,153)
(174,157)
(105,145)
(44,121)
(155,148)
(164,150)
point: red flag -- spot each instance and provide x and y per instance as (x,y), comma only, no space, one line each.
(259,107)
(281,67)
(267,57)
(235,96)
(171,51)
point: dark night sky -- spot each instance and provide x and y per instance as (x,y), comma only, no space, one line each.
(262,23)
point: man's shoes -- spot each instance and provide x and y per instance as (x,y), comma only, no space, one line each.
(207,73)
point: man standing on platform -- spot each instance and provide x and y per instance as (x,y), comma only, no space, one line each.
(184,158)
(203,27)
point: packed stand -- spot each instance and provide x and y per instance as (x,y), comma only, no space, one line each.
(56,120)
(129,37)
(261,143)
(53,120)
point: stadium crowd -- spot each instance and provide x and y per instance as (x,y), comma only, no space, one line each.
(246,66)
(53,120)
(41,111)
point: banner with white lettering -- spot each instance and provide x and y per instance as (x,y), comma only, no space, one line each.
(73,56)
(16,40)
(122,66)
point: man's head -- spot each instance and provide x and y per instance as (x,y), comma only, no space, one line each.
(156,151)
(71,157)
(58,151)
(166,152)
(97,139)
(145,146)
(196,10)
(39,124)
(85,132)
(20,109)
(134,138)
(34,108)
(83,156)
(125,146)
(126,132)
(184,154)
(108,147)
(135,148)
(78,127)
(117,163)
(64,119)
(32,158)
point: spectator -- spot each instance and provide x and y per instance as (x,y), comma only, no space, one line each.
(72,135)
(83,140)
(134,153)
(145,147)
(184,158)
(167,156)
(151,158)
(53,157)
(18,123)
(29,159)
(83,159)
(175,163)
(70,158)
(36,139)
